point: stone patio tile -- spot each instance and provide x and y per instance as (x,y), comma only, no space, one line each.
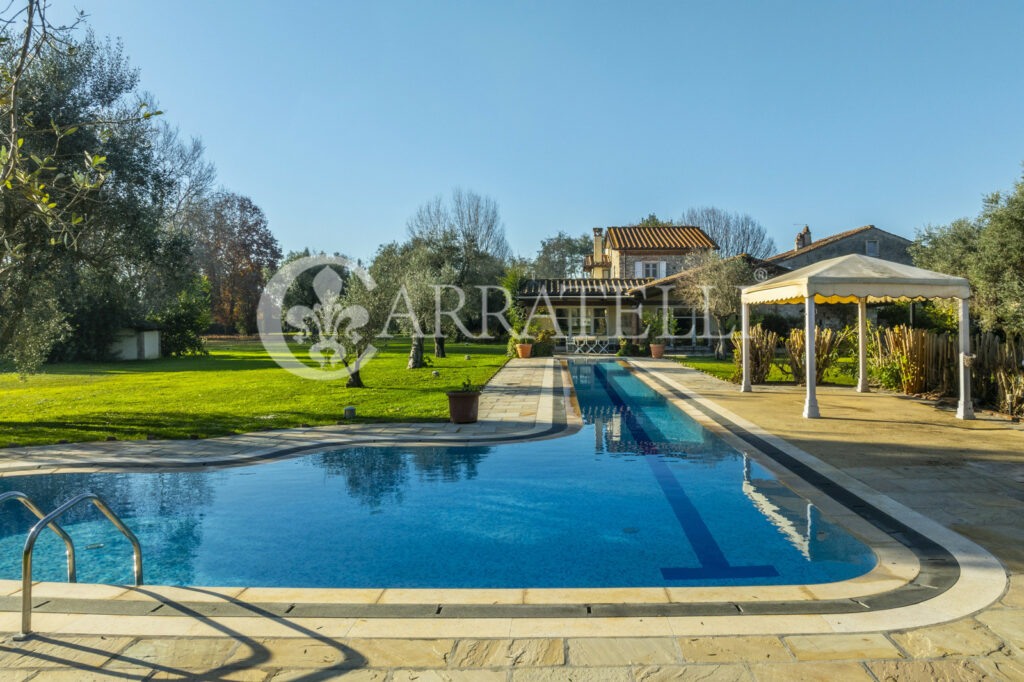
(1014,596)
(448,676)
(246,675)
(72,675)
(811,672)
(597,651)
(961,670)
(453,596)
(293,653)
(572,675)
(310,595)
(179,594)
(411,653)
(17,675)
(433,628)
(54,652)
(498,653)
(732,649)
(692,673)
(331,675)
(1007,623)
(841,647)
(596,595)
(1004,668)
(960,638)
(172,652)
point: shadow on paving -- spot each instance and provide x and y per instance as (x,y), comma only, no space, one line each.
(259,655)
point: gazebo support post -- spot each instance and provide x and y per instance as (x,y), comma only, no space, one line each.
(965,408)
(862,345)
(745,315)
(811,404)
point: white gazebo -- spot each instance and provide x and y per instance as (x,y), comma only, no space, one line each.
(861,280)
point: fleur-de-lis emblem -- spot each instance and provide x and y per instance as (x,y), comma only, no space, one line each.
(328,326)
(327,322)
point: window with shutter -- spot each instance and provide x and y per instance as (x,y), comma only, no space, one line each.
(651,269)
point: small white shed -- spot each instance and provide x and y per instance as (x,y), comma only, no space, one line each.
(136,344)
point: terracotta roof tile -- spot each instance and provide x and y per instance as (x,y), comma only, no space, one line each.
(671,237)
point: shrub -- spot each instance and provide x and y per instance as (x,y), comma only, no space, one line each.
(544,343)
(1011,392)
(182,322)
(828,345)
(762,354)
(901,358)
(773,322)
(629,349)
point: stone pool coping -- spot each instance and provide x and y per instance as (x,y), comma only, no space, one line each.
(953,577)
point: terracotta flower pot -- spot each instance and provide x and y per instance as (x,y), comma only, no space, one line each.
(657,350)
(524,349)
(463,406)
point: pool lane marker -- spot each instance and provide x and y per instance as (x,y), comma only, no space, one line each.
(713,563)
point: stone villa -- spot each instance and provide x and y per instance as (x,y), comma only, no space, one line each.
(633,265)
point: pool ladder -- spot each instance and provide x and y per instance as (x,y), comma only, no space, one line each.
(50,521)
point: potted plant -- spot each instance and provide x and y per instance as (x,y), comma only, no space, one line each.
(657,321)
(523,339)
(464,404)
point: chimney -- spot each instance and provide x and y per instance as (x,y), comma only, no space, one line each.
(803,239)
(598,244)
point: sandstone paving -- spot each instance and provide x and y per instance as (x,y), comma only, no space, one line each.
(449,676)
(188,653)
(489,653)
(292,653)
(411,653)
(572,675)
(1006,623)
(53,651)
(1014,596)
(319,675)
(837,647)
(692,673)
(731,649)
(598,651)
(963,670)
(966,637)
(811,672)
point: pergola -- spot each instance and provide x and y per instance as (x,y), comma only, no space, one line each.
(861,280)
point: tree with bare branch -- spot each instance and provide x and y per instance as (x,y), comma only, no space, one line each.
(735,233)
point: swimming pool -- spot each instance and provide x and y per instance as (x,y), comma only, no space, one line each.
(641,496)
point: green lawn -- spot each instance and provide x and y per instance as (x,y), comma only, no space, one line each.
(237,388)
(724,369)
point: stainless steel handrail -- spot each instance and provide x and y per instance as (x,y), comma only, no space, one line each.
(26,557)
(68,543)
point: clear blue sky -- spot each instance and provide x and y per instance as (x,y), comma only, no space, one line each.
(340,118)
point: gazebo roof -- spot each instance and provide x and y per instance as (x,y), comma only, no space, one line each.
(849,278)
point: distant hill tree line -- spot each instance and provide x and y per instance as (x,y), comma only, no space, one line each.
(108,217)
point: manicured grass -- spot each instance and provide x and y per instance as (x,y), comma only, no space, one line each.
(724,369)
(237,388)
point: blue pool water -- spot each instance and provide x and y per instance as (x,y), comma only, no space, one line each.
(642,496)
